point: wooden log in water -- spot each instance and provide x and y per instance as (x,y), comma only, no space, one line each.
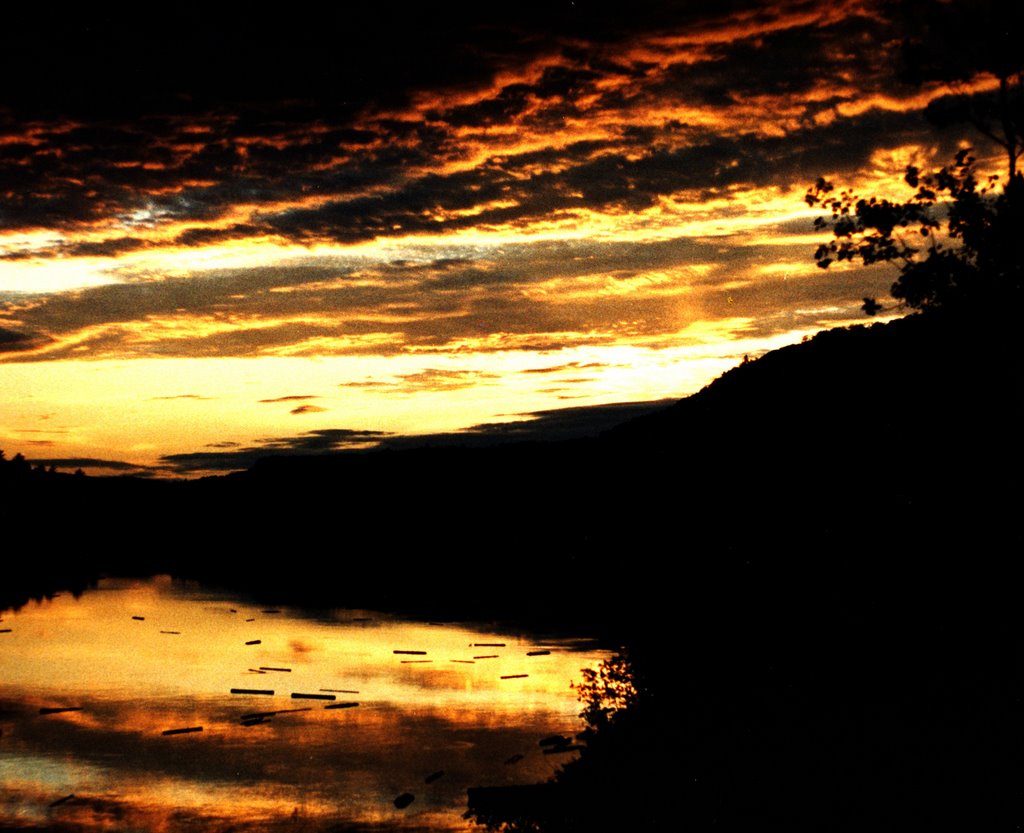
(487,645)
(177,633)
(63,800)
(254,642)
(341,690)
(139,618)
(537,653)
(271,668)
(341,706)
(513,676)
(465,661)
(298,695)
(415,653)
(5,630)
(414,661)
(404,800)
(261,691)
(187,730)
(487,656)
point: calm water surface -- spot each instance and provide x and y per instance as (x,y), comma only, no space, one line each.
(135,659)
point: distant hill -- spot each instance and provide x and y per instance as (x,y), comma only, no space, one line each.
(813,563)
(898,436)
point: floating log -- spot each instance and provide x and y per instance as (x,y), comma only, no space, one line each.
(254,642)
(250,620)
(177,633)
(341,706)
(404,800)
(513,676)
(340,690)
(257,671)
(487,656)
(254,721)
(186,731)
(466,661)
(59,709)
(414,661)
(5,630)
(139,618)
(297,695)
(271,668)
(415,653)
(273,713)
(537,653)
(264,691)
(232,610)
(430,779)
(515,759)
(63,800)
(487,645)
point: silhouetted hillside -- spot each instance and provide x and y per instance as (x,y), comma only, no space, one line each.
(867,442)
(813,562)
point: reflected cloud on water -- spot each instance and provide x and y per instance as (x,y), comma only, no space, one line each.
(137,659)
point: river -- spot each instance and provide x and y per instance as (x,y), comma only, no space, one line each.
(158,705)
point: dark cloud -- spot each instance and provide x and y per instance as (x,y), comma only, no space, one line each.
(567,366)
(322,441)
(444,379)
(14,341)
(335,119)
(547,425)
(538,426)
(298,398)
(90,463)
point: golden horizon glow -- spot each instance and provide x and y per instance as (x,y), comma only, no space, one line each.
(189,651)
(618,203)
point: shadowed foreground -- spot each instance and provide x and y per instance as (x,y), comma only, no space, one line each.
(812,564)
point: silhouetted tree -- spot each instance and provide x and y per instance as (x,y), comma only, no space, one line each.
(955,42)
(957,239)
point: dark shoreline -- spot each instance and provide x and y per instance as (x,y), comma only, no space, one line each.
(814,560)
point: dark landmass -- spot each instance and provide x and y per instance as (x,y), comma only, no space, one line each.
(812,562)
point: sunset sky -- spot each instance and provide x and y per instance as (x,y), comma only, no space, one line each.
(221,236)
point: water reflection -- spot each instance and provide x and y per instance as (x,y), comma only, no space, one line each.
(89,687)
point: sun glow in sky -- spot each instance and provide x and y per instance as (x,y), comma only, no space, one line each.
(419,226)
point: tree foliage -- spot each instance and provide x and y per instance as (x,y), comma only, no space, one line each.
(957,239)
(606,691)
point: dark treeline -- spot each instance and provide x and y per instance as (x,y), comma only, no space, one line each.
(811,563)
